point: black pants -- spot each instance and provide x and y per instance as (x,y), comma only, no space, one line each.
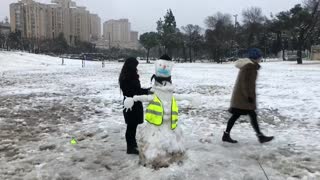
(131,135)
(253,118)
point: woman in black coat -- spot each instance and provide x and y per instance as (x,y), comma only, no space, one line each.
(130,85)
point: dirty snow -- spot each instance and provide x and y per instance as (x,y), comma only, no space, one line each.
(44,104)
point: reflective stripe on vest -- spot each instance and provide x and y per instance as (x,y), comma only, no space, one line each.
(155,112)
(174,113)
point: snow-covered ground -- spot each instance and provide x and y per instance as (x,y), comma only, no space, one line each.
(44,104)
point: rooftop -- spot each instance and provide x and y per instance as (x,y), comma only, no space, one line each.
(4,25)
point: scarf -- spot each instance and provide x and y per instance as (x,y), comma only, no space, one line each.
(161,79)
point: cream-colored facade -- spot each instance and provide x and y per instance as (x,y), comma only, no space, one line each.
(134,36)
(118,34)
(117,30)
(95,27)
(80,24)
(16,18)
(47,21)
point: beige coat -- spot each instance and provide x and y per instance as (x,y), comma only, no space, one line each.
(244,92)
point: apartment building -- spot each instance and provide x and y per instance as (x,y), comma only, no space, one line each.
(47,21)
(95,27)
(118,34)
(117,30)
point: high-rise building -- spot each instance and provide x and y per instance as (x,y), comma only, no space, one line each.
(117,30)
(80,24)
(134,36)
(16,17)
(47,21)
(118,34)
(95,27)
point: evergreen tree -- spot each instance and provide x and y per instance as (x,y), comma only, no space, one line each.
(148,41)
(167,30)
(60,44)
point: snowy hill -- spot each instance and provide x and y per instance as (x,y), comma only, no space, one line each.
(44,104)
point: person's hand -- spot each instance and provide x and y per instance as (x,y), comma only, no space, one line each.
(128,103)
(250,100)
(150,90)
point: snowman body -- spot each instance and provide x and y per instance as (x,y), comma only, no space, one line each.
(160,146)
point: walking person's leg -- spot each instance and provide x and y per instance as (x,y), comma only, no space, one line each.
(226,135)
(254,122)
(231,122)
(131,138)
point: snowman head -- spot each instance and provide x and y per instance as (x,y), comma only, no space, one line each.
(163,66)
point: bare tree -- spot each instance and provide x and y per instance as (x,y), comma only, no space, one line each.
(253,15)
(253,20)
(305,21)
(310,4)
(314,5)
(218,18)
(194,38)
(219,35)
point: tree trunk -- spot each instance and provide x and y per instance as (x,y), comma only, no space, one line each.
(184,54)
(178,50)
(309,52)
(148,55)
(300,46)
(160,51)
(283,55)
(169,51)
(195,54)
(299,54)
(190,54)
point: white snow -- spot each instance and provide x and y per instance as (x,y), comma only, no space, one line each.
(44,104)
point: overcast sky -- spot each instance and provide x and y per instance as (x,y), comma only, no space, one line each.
(143,14)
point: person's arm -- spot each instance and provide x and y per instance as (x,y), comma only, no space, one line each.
(251,85)
(138,90)
(143,98)
(129,101)
(131,88)
(145,91)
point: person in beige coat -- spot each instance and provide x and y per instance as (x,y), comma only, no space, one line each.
(243,101)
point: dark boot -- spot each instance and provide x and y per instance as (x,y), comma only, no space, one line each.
(263,139)
(135,145)
(132,150)
(226,138)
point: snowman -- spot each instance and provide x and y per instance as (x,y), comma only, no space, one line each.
(161,139)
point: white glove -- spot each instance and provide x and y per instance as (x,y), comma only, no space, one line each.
(196,101)
(128,103)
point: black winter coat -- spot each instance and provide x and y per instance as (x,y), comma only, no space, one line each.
(131,88)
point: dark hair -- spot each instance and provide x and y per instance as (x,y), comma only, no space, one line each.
(129,70)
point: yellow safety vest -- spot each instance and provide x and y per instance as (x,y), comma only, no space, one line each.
(155,112)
